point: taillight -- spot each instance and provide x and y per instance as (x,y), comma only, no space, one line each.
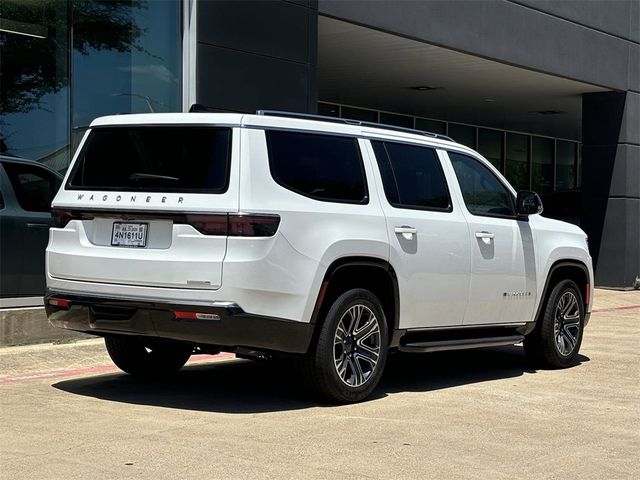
(235,225)
(61,217)
(259,225)
(209,224)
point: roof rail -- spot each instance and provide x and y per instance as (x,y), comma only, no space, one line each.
(348,121)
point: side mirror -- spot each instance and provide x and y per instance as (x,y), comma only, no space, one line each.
(528,203)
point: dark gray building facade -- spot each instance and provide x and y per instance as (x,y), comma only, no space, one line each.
(566,70)
(547,90)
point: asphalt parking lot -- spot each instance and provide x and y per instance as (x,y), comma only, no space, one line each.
(66,413)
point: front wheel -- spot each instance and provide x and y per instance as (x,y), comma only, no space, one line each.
(152,358)
(347,361)
(556,341)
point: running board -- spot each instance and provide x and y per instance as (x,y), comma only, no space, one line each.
(460,344)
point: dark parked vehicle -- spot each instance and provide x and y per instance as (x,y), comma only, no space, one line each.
(26,191)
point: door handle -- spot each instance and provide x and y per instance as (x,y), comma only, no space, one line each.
(484,234)
(405,229)
(37,225)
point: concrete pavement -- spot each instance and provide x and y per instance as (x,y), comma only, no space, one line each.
(66,413)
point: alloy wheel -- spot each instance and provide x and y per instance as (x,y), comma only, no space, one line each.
(356,348)
(566,327)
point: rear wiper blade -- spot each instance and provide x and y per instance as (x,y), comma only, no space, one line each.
(151,176)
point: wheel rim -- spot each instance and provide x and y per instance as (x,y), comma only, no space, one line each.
(356,347)
(566,325)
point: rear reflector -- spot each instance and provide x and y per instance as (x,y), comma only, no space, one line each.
(185,315)
(59,302)
(587,295)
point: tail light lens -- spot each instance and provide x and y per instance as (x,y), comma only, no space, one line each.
(242,225)
(253,225)
(61,217)
(209,224)
(227,224)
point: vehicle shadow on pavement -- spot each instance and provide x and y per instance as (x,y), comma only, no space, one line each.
(243,386)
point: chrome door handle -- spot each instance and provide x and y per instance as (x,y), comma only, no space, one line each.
(484,234)
(38,225)
(405,229)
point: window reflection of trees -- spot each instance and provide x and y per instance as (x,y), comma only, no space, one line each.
(35,50)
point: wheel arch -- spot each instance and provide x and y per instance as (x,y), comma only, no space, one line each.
(373,274)
(574,270)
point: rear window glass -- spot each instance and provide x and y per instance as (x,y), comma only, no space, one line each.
(166,159)
(323,167)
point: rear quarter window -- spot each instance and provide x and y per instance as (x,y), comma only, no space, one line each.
(323,167)
(180,159)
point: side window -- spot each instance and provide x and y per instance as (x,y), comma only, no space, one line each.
(323,167)
(412,176)
(483,193)
(34,187)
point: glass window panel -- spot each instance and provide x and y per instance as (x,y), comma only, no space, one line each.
(517,161)
(412,176)
(433,126)
(579,180)
(483,193)
(324,167)
(490,146)
(397,120)
(33,185)
(167,159)
(359,114)
(126,58)
(566,174)
(463,134)
(542,164)
(328,109)
(34,85)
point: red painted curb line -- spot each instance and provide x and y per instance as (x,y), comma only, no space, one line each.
(103,369)
(612,309)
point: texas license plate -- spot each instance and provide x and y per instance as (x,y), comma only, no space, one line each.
(129,234)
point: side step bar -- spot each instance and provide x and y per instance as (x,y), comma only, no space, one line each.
(460,344)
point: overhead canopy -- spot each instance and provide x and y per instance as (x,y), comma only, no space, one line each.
(363,67)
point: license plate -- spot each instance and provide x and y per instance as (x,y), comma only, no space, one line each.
(129,234)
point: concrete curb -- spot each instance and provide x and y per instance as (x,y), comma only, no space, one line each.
(27,326)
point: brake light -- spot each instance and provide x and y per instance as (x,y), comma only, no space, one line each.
(61,217)
(253,225)
(236,225)
(209,224)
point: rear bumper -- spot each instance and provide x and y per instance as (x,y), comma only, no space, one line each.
(224,323)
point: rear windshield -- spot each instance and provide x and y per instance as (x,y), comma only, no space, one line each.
(166,159)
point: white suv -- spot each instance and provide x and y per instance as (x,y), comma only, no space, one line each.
(332,240)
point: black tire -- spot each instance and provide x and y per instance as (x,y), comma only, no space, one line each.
(149,358)
(556,340)
(354,354)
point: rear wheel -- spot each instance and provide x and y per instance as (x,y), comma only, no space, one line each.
(556,341)
(347,361)
(151,358)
